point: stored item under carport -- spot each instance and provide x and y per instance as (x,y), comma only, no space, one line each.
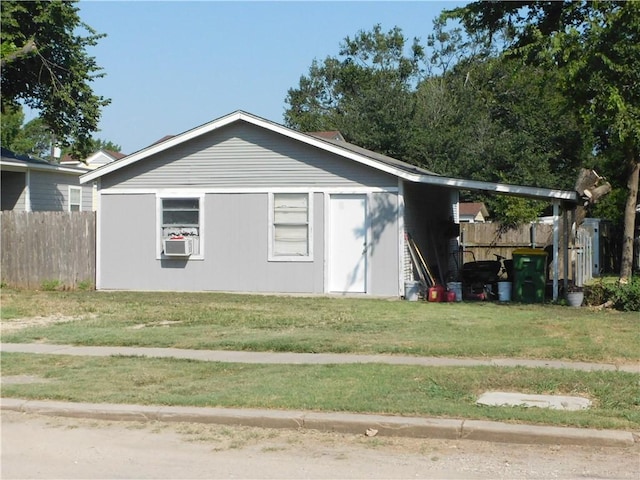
(530,275)
(436,293)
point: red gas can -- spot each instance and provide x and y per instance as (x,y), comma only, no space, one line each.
(435,293)
(451,296)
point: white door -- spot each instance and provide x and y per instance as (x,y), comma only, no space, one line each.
(347,243)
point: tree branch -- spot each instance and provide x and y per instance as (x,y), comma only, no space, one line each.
(26,49)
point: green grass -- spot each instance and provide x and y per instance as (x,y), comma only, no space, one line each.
(325,324)
(384,389)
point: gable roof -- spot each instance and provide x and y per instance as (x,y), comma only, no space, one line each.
(328,135)
(473,208)
(339,147)
(163,139)
(21,163)
(110,154)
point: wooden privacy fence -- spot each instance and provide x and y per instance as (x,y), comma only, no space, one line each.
(483,240)
(52,247)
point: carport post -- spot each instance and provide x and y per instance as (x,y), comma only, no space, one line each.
(556,249)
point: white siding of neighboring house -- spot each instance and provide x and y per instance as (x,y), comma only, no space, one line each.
(49,191)
(13,191)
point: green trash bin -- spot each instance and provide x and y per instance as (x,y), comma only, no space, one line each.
(530,275)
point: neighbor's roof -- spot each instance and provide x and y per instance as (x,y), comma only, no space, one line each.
(473,208)
(11,161)
(328,135)
(68,159)
(339,147)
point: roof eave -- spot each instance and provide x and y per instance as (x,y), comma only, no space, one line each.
(516,190)
(502,188)
(21,165)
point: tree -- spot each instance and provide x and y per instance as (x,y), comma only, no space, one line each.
(45,66)
(99,144)
(596,47)
(454,108)
(11,120)
(34,138)
(367,94)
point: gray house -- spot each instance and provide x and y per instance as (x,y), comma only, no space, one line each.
(245,204)
(31,185)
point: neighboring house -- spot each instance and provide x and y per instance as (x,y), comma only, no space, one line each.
(245,204)
(95,160)
(473,212)
(31,185)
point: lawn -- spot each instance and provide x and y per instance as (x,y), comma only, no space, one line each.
(448,392)
(324,324)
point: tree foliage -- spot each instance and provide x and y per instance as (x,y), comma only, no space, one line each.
(366,94)
(45,66)
(595,46)
(452,107)
(34,137)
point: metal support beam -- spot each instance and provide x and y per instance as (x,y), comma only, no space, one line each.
(556,249)
(568,234)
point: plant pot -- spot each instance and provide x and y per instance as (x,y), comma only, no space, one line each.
(575,299)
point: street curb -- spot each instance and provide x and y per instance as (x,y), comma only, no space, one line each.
(358,424)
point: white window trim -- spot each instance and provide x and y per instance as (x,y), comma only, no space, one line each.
(290,258)
(159,197)
(74,188)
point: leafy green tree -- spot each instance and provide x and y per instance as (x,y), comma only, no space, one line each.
(596,47)
(33,139)
(499,120)
(11,120)
(45,65)
(453,108)
(366,93)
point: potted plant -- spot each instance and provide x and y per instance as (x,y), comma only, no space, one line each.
(575,295)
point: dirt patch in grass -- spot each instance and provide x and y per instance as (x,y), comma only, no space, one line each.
(22,323)
(164,323)
(23,379)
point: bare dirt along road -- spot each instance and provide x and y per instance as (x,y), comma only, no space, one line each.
(36,446)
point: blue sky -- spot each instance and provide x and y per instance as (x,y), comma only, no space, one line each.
(171,66)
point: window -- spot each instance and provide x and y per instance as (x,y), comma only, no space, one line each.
(75,199)
(290,227)
(180,217)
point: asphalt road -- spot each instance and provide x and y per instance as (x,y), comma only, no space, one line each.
(41,447)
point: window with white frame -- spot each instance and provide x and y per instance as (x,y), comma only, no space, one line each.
(290,226)
(180,218)
(75,199)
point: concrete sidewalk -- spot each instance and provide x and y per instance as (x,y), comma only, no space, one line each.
(338,422)
(304,358)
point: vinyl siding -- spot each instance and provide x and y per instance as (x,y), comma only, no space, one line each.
(235,258)
(383,244)
(245,156)
(13,191)
(49,191)
(236,236)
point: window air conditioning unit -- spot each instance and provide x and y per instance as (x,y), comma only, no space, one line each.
(177,247)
